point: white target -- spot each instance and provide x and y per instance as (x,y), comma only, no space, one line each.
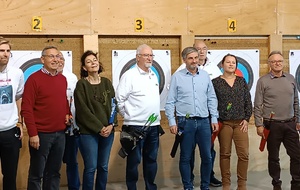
(122,60)
(30,61)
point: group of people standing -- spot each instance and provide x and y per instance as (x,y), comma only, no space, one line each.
(201,101)
(198,107)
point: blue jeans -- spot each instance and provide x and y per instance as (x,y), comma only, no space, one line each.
(213,157)
(70,158)
(45,163)
(148,148)
(9,155)
(95,151)
(196,131)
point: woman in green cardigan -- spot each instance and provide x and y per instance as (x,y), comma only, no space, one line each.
(94,102)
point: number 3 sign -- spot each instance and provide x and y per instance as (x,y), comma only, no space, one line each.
(139,25)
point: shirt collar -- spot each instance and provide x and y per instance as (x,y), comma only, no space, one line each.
(189,73)
(44,70)
(142,72)
(273,76)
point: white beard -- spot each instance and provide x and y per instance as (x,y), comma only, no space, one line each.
(148,65)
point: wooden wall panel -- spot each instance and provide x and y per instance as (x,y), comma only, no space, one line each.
(58,17)
(288,17)
(161,17)
(253,17)
(166,17)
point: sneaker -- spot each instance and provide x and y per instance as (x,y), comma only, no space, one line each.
(215,182)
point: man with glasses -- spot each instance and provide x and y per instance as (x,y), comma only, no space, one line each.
(213,71)
(138,98)
(46,112)
(11,123)
(276,108)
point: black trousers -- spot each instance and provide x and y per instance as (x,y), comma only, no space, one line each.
(287,134)
(9,154)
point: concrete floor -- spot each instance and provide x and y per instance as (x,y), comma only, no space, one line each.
(256,181)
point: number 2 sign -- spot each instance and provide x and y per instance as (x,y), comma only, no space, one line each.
(36,23)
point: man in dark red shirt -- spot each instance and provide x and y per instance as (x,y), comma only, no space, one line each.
(45,110)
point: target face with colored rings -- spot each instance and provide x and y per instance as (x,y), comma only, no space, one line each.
(123,60)
(30,61)
(248,64)
(155,68)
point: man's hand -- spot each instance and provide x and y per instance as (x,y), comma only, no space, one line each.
(67,120)
(298,126)
(260,131)
(215,127)
(173,129)
(20,126)
(34,141)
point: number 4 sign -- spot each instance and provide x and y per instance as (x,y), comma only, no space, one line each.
(231,25)
(36,23)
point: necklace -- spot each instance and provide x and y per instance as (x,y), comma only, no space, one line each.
(92,81)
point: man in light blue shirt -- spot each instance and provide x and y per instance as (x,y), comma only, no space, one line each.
(193,97)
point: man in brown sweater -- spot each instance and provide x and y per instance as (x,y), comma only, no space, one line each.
(276,94)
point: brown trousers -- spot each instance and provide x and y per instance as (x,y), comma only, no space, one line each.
(231,131)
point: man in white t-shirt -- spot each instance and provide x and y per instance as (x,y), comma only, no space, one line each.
(72,133)
(213,71)
(11,123)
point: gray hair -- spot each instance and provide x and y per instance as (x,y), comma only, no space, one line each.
(274,53)
(141,47)
(187,51)
(48,47)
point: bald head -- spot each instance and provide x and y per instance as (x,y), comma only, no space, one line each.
(202,48)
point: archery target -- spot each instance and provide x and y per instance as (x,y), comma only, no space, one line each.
(30,62)
(248,65)
(294,60)
(123,60)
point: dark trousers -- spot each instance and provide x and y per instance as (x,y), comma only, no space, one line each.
(148,149)
(9,155)
(287,134)
(70,158)
(45,163)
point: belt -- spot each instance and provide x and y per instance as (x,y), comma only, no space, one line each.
(196,118)
(281,121)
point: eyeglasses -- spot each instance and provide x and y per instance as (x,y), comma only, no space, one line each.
(53,56)
(275,61)
(147,55)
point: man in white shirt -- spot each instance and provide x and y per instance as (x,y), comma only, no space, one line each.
(138,98)
(72,133)
(213,71)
